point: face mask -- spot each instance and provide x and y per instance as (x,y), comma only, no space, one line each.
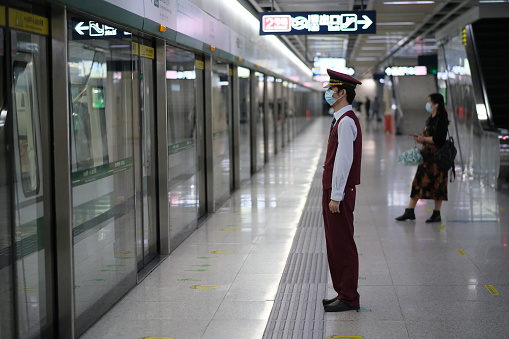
(328,97)
(428,107)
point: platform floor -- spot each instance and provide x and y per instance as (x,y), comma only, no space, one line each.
(417,280)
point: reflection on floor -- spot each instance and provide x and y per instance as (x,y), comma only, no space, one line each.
(417,280)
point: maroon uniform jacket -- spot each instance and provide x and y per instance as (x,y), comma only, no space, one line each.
(354,177)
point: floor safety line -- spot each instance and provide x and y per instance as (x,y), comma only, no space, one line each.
(298,311)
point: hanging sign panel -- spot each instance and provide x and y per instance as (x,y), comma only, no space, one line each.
(292,23)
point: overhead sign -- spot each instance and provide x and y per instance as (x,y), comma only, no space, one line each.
(401,71)
(291,23)
(90,29)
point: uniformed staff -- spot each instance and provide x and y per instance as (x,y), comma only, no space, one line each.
(342,172)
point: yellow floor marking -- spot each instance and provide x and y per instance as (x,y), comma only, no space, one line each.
(228,229)
(427,209)
(29,288)
(222,252)
(461,252)
(204,287)
(501,208)
(492,289)
(442,227)
(120,252)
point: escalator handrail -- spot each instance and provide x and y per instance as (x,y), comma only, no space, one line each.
(479,85)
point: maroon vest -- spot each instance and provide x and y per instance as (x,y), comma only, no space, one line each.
(354,177)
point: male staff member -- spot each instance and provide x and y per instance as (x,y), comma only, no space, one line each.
(342,171)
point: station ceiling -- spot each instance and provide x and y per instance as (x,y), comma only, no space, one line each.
(404,29)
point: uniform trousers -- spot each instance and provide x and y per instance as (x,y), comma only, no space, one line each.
(341,249)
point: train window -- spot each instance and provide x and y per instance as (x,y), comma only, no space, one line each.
(25,108)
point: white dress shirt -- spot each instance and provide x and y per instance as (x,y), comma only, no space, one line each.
(347,133)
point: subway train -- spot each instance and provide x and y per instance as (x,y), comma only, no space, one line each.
(116,137)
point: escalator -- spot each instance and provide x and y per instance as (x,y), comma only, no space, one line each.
(491,36)
(474,75)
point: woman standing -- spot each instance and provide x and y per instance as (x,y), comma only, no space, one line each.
(430,182)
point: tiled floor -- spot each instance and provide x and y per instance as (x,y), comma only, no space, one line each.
(417,280)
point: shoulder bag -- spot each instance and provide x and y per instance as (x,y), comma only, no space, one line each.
(445,155)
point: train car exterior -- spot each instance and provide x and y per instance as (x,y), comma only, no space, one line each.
(123,124)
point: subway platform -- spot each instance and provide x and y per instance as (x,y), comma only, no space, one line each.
(257,267)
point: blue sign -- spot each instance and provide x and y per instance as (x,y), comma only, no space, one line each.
(293,23)
(90,29)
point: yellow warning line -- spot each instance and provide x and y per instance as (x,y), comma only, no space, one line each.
(461,252)
(442,227)
(492,289)
(204,287)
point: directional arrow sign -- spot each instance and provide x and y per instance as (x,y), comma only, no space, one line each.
(83,29)
(80,28)
(367,22)
(292,23)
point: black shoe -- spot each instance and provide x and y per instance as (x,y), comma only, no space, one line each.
(408,215)
(435,217)
(339,306)
(328,301)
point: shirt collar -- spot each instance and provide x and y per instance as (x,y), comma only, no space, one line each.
(342,111)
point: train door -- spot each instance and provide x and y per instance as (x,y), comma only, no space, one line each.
(145,151)
(104,192)
(25,196)
(184,74)
(244,79)
(221,134)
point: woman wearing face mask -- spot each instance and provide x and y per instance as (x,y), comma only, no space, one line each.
(430,182)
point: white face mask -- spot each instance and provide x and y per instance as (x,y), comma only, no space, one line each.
(428,107)
(328,97)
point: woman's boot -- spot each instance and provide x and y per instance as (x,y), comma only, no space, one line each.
(409,214)
(435,217)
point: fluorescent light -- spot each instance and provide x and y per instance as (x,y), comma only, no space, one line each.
(382,41)
(481,112)
(383,37)
(366,59)
(408,2)
(403,23)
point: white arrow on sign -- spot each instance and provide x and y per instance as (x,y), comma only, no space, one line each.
(367,22)
(80,28)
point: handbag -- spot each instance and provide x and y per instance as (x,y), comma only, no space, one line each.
(411,157)
(445,155)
